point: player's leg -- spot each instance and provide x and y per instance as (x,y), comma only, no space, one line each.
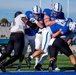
(35,54)
(18,40)
(23,53)
(63,46)
(43,48)
(42,59)
(32,44)
(18,46)
(53,55)
(8,51)
(38,41)
(45,41)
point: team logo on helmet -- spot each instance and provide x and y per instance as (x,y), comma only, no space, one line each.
(37,10)
(57,7)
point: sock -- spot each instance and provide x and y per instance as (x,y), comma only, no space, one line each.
(19,64)
(36,61)
(31,57)
(51,64)
(43,57)
(54,65)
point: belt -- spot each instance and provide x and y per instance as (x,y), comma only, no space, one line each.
(39,32)
(17,32)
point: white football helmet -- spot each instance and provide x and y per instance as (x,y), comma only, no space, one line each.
(37,10)
(57,7)
(72,26)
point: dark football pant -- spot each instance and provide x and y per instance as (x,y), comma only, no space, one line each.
(59,44)
(16,43)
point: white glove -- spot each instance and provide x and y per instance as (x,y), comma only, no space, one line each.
(59,20)
(33,20)
(36,21)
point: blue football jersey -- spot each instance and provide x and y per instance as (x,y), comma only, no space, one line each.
(57,16)
(63,25)
(53,16)
(31,17)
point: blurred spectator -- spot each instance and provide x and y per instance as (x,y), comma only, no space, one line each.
(3,36)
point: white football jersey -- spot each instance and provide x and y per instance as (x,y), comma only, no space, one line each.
(18,24)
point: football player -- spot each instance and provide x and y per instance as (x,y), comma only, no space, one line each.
(16,40)
(36,17)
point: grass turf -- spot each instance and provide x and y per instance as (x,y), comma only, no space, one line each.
(63,62)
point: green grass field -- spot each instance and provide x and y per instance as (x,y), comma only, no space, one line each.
(63,62)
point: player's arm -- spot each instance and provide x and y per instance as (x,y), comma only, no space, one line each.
(69,41)
(47,21)
(40,24)
(31,25)
(57,33)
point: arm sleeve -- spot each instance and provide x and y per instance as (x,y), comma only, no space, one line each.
(33,26)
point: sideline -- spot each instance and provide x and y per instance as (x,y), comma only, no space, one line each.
(38,73)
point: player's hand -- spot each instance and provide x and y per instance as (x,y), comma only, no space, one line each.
(61,31)
(33,20)
(59,21)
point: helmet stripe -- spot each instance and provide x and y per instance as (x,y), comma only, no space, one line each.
(37,8)
(58,6)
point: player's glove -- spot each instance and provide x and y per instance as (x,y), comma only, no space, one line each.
(59,20)
(33,20)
